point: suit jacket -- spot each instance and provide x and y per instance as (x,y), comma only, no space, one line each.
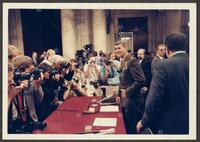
(146,67)
(33,97)
(154,63)
(167,104)
(131,79)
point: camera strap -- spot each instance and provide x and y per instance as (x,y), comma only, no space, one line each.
(22,108)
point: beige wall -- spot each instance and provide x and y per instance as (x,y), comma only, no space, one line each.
(15,30)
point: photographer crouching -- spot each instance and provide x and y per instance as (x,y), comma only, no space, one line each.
(24,119)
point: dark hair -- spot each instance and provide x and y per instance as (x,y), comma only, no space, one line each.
(176,42)
(45,67)
(122,42)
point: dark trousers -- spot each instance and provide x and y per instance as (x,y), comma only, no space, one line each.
(131,116)
(125,117)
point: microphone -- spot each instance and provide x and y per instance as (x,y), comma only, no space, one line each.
(104,99)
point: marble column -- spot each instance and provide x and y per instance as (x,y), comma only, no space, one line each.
(15,29)
(99,30)
(173,21)
(84,22)
(68,33)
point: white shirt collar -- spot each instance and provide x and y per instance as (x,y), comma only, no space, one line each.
(160,57)
(179,52)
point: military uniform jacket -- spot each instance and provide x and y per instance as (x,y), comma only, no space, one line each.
(131,78)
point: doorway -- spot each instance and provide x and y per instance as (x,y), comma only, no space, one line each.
(138,26)
(41,30)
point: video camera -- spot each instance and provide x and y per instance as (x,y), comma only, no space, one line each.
(88,48)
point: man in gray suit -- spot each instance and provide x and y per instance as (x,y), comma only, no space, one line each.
(131,81)
(167,105)
(160,53)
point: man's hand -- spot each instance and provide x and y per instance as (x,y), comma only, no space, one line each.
(118,100)
(139,127)
(144,90)
(23,84)
(123,93)
(14,91)
(75,85)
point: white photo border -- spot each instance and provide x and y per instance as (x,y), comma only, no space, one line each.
(192,7)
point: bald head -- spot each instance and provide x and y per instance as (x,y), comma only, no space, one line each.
(141,53)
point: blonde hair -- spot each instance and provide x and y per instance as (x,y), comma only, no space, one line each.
(13,52)
(51,52)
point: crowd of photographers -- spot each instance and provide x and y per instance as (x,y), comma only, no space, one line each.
(38,85)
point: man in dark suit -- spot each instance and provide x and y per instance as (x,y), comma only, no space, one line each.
(145,63)
(131,80)
(167,105)
(160,54)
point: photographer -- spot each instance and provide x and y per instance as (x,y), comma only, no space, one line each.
(91,70)
(56,83)
(48,90)
(68,69)
(30,96)
(77,89)
(91,74)
(14,121)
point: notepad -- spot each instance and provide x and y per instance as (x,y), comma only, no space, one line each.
(112,108)
(105,122)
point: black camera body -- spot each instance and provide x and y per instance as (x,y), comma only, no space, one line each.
(94,83)
(53,72)
(36,73)
(18,76)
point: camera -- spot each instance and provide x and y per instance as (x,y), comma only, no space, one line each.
(74,79)
(18,76)
(94,83)
(53,72)
(88,48)
(36,73)
(64,65)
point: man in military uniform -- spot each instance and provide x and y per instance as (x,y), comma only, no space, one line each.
(131,81)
